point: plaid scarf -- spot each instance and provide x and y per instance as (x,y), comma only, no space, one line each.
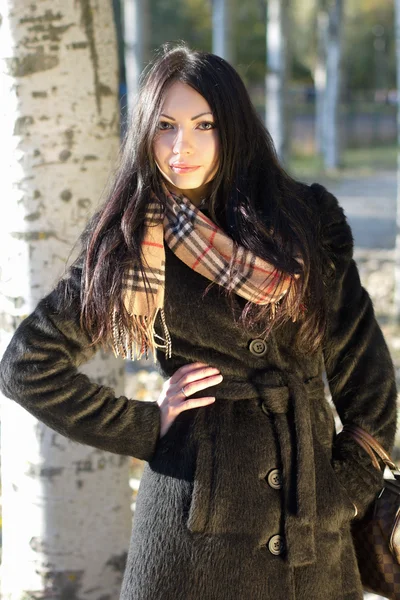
(205,248)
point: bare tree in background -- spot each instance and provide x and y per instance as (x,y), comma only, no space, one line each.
(136,25)
(397,261)
(320,78)
(66,506)
(222,29)
(276,82)
(328,81)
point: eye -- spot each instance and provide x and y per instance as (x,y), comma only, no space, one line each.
(164,125)
(206,125)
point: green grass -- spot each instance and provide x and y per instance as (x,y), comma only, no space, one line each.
(354,160)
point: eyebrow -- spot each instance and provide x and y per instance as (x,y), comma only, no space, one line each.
(192,119)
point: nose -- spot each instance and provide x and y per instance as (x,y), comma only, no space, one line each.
(182,143)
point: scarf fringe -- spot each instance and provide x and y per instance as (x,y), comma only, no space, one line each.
(135,342)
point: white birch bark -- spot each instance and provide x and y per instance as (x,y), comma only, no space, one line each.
(136,43)
(276,93)
(331,137)
(397,261)
(222,28)
(320,78)
(66,506)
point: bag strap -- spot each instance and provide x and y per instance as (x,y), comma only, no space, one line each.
(370,445)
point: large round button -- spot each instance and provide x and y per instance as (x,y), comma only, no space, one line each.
(276,544)
(258,347)
(275,479)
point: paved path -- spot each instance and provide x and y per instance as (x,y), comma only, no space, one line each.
(370,204)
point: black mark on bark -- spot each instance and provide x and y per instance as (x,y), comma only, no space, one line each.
(41,471)
(33,236)
(31,63)
(83,466)
(33,216)
(84,202)
(66,195)
(49,32)
(54,442)
(117,562)
(22,124)
(105,90)
(78,45)
(64,155)
(18,301)
(63,585)
(47,17)
(88,25)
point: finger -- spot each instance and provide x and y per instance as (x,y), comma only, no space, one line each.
(187,369)
(196,403)
(192,387)
(197,375)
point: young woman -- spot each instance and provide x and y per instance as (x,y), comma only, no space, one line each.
(242,281)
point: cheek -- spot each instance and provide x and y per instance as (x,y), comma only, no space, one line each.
(214,149)
(160,148)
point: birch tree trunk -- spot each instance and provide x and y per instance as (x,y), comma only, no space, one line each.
(276,93)
(136,44)
(222,24)
(331,122)
(397,262)
(66,506)
(320,79)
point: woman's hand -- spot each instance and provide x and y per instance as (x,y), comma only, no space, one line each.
(192,378)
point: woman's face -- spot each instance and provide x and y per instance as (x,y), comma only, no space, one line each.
(186,147)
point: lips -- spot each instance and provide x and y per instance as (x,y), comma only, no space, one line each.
(183,168)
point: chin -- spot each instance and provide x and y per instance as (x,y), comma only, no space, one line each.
(185,182)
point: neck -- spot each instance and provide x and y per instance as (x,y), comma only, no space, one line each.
(198,196)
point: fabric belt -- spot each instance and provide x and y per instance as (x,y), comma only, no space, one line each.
(284,396)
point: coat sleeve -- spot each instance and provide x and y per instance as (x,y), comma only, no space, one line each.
(358,365)
(39,371)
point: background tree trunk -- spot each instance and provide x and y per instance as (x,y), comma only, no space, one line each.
(136,44)
(331,122)
(397,252)
(276,83)
(66,506)
(222,29)
(320,78)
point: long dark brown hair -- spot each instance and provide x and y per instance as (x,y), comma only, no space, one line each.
(252,198)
